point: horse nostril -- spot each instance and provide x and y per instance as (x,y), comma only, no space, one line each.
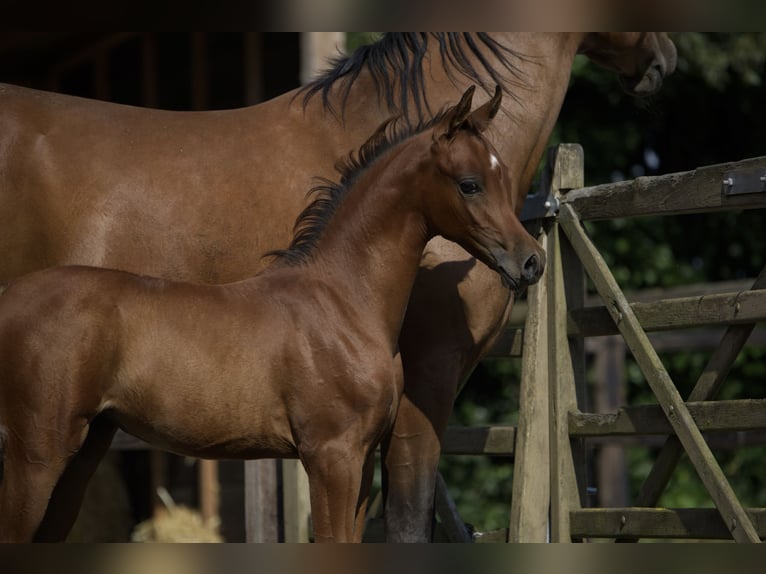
(531,270)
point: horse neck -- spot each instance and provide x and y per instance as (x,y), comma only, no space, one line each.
(522,129)
(371,248)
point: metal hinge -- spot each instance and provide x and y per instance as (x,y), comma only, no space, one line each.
(744,181)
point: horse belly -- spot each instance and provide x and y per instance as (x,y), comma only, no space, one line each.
(208,410)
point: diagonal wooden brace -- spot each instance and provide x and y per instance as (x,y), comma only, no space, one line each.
(708,469)
(705,389)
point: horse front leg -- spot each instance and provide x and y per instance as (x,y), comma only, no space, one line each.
(364,496)
(457,309)
(336,472)
(411,455)
(32,464)
(67,496)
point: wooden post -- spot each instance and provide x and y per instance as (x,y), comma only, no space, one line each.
(608,396)
(317,48)
(563,398)
(531,486)
(209,490)
(158,471)
(297,506)
(261,501)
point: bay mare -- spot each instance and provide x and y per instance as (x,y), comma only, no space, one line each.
(200,196)
(301,359)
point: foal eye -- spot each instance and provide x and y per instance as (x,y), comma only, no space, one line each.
(469,187)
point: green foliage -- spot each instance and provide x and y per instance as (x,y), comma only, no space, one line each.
(356,39)
(710,111)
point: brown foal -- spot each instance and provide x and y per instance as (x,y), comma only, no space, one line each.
(300,360)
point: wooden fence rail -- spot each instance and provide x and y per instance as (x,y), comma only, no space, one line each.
(690,192)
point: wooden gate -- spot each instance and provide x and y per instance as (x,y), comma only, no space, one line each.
(557,306)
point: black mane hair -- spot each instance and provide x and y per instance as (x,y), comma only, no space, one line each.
(395,63)
(328,194)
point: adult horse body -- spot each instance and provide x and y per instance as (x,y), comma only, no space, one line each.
(201,196)
(301,359)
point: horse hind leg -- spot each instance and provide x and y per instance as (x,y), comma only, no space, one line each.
(68,494)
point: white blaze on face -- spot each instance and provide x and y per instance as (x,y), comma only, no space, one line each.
(493,161)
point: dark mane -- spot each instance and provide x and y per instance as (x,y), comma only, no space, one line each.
(395,63)
(327,194)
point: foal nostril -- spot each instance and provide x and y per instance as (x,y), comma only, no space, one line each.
(532,268)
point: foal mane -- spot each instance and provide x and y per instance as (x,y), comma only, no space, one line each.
(327,194)
(395,63)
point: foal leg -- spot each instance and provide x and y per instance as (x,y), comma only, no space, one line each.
(335,476)
(69,492)
(30,471)
(364,497)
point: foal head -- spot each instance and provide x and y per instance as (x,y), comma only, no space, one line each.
(470,197)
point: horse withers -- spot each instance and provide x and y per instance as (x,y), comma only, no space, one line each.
(299,360)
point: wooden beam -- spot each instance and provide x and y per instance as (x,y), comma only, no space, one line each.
(261,501)
(737,415)
(209,490)
(695,191)
(296,506)
(690,523)
(530,499)
(659,381)
(706,388)
(669,314)
(483,440)
(564,490)
(509,344)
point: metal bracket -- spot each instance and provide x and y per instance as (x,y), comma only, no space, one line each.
(539,206)
(743,181)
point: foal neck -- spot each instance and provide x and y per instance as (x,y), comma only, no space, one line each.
(370,250)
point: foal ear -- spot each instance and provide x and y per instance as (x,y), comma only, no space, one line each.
(482,116)
(459,114)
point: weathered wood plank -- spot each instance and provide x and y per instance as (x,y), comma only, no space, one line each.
(736,415)
(695,191)
(489,440)
(564,493)
(296,503)
(669,314)
(261,508)
(575,293)
(530,497)
(707,386)
(634,522)
(659,381)
(723,440)
(509,344)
